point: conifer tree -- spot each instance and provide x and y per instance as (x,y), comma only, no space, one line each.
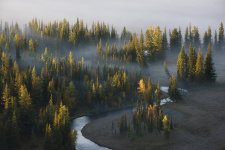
(209,69)
(6,100)
(199,71)
(196,37)
(173,89)
(192,63)
(221,34)
(209,35)
(174,40)
(165,41)
(180,40)
(205,40)
(17,40)
(26,112)
(24,40)
(215,40)
(186,38)
(166,127)
(15,131)
(181,65)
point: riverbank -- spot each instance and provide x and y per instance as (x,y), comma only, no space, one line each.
(199,123)
(88,112)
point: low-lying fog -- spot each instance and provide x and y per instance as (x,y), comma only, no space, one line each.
(132,14)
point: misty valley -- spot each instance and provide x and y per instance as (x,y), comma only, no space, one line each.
(66,86)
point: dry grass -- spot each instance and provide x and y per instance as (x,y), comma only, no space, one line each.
(199,119)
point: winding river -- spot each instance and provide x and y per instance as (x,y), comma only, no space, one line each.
(78,123)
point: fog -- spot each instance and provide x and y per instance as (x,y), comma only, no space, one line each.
(133,14)
(130,13)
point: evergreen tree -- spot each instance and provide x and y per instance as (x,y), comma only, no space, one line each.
(215,40)
(24,40)
(209,69)
(17,40)
(196,37)
(166,127)
(192,63)
(199,71)
(180,40)
(165,41)
(26,112)
(209,35)
(31,45)
(6,100)
(174,40)
(173,89)
(221,35)
(186,38)
(181,65)
(205,40)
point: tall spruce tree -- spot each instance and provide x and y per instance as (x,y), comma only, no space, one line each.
(215,40)
(205,40)
(209,69)
(165,41)
(174,40)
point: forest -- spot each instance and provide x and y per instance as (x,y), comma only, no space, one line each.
(45,81)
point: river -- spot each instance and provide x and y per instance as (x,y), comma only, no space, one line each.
(78,123)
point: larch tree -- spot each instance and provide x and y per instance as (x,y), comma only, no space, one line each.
(17,40)
(221,34)
(186,38)
(166,127)
(6,100)
(199,71)
(142,89)
(173,89)
(196,37)
(181,65)
(209,35)
(165,41)
(192,63)
(26,112)
(31,46)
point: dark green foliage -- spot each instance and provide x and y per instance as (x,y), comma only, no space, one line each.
(175,42)
(186,38)
(182,63)
(195,69)
(209,69)
(196,37)
(173,90)
(165,41)
(123,124)
(192,63)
